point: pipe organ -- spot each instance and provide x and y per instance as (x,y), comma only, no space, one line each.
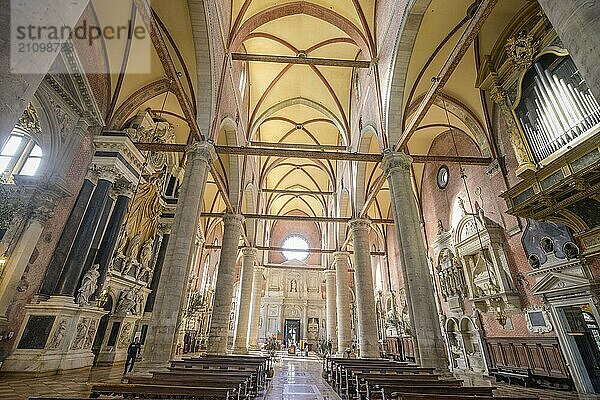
(556,105)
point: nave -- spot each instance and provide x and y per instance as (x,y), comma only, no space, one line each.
(294,378)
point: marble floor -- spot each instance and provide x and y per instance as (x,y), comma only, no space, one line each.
(295,378)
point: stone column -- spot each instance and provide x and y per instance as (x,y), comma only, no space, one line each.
(66,239)
(21,253)
(165,233)
(257,283)
(365,295)
(420,294)
(219,326)
(342,300)
(22,73)
(240,341)
(331,308)
(576,22)
(73,269)
(96,241)
(170,293)
(111,235)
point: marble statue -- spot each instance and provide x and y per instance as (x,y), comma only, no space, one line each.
(89,284)
(128,302)
(146,253)
(59,336)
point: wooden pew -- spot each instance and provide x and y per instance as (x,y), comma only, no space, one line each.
(163,391)
(366,382)
(244,384)
(419,396)
(258,364)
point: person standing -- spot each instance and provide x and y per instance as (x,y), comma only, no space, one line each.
(132,351)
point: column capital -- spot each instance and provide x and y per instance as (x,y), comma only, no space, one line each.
(395,160)
(359,224)
(104,172)
(232,220)
(249,252)
(341,255)
(124,188)
(259,269)
(164,228)
(202,150)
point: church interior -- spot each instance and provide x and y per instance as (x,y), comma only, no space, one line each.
(300,199)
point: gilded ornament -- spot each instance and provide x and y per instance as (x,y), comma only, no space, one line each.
(521,50)
(29,120)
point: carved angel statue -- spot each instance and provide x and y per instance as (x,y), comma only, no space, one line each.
(89,284)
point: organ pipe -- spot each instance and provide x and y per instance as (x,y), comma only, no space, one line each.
(556,109)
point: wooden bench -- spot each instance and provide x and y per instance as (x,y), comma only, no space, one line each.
(163,391)
(430,396)
(242,384)
(365,383)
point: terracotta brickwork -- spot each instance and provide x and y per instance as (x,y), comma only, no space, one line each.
(34,273)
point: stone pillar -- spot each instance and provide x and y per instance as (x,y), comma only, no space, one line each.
(96,241)
(576,22)
(257,283)
(170,293)
(331,309)
(66,239)
(22,73)
(21,253)
(111,235)
(240,341)
(365,294)
(342,299)
(219,326)
(420,295)
(165,233)
(69,278)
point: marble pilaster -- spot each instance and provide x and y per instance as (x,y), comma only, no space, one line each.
(365,295)
(429,343)
(165,234)
(111,234)
(257,284)
(330,284)
(219,325)
(240,341)
(66,239)
(69,279)
(170,292)
(342,300)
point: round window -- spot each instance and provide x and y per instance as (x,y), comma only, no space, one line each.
(442,177)
(296,248)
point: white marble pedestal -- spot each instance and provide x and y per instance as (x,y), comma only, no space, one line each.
(57,335)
